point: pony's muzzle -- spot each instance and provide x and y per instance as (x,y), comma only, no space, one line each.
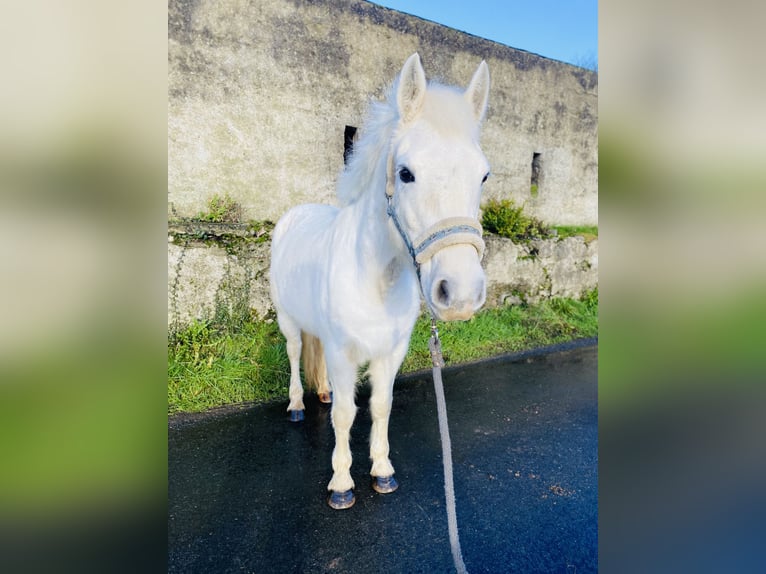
(457,299)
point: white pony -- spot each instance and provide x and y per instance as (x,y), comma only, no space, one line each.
(346,281)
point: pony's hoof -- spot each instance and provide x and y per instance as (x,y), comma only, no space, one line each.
(325,398)
(384,484)
(296,416)
(341,500)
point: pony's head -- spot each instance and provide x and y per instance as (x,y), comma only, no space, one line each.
(435,174)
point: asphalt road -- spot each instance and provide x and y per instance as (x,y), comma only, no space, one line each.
(247,488)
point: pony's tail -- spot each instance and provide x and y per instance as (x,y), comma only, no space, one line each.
(314,366)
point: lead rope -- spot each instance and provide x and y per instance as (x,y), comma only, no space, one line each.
(437,360)
(435,347)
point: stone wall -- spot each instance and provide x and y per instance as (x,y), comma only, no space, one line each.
(260,93)
(217,267)
(542,269)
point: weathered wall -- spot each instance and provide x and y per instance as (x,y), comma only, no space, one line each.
(260,92)
(205,276)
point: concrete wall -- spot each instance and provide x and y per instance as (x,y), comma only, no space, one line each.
(260,92)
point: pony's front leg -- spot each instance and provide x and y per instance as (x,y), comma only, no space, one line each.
(342,373)
(382,375)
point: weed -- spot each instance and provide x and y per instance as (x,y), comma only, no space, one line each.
(507,219)
(191,345)
(221,209)
(590,299)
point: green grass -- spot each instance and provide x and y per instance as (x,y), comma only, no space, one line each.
(589,232)
(504,330)
(211,365)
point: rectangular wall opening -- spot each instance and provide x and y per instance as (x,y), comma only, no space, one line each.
(534,185)
(349,134)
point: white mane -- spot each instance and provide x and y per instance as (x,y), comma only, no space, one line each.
(367,161)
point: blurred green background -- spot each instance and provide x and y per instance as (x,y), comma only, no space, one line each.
(83,425)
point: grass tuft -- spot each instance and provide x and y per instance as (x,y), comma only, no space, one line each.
(507,219)
(221,209)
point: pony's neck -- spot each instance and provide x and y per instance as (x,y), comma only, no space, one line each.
(379,250)
(362,193)
(372,222)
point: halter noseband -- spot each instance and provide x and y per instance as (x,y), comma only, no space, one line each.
(449,231)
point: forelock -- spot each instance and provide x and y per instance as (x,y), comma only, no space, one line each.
(448,112)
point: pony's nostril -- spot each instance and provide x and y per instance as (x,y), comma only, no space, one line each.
(442,293)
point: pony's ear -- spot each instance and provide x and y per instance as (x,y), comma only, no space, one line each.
(477,92)
(411,88)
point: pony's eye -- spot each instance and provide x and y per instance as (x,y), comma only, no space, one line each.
(485,178)
(406,175)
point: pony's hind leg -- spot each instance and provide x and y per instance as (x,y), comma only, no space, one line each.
(323,389)
(382,373)
(292,334)
(315,367)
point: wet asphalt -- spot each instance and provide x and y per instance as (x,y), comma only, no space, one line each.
(247,488)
